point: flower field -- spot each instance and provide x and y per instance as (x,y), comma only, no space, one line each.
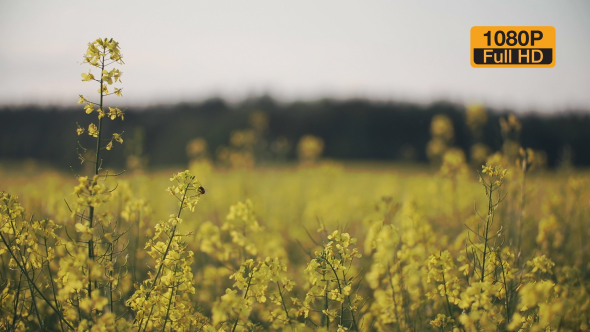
(495,245)
(323,247)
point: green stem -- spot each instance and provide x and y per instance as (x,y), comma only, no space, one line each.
(348,297)
(245,295)
(489,218)
(446,295)
(326,302)
(52,283)
(111,280)
(148,294)
(36,309)
(283,302)
(521,216)
(17,297)
(507,295)
(136,247)
(169,306)
(24,271)
(97,163)
(389,279)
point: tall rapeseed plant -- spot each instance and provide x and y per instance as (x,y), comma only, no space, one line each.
(163,299)
(94,258)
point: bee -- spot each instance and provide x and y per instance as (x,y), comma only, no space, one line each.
(201,190)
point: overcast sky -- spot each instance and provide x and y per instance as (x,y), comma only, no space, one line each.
(416,51)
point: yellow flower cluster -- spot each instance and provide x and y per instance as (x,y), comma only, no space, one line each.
(101,48)
(97,55)
(330,276)
(453,165)
(257,281)
(232,274)
(439,268)
(90,192)
(495,171)
(398,275)
(164,299)
(188,190)
(431,262)
(239,238)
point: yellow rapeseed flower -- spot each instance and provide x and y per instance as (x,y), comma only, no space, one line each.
(93,130)
(87,77)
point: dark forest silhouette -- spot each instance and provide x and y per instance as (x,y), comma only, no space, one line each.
(352,129)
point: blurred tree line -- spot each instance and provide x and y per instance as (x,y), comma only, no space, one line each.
(352,129)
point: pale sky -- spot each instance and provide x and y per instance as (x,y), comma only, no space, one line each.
(413,51)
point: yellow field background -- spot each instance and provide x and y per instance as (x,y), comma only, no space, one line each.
(243,238)
(402,212)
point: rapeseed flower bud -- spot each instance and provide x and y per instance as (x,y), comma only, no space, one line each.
(92,130)
(87,77)
(80,130)
(89,108)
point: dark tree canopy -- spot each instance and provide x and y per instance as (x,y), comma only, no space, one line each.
(352,129)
